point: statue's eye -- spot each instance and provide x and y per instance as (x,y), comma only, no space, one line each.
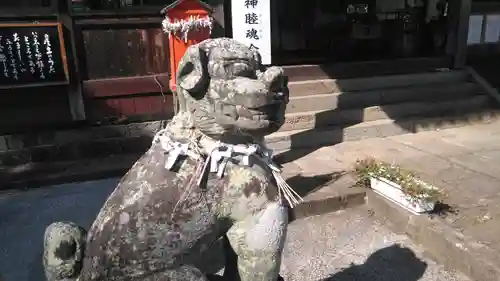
(248,73)
(229,111)
(240,69)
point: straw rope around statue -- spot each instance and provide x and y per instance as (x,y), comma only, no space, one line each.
(217,156)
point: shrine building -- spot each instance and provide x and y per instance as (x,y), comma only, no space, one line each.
(67,64)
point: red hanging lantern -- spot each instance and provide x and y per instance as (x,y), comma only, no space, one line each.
(187,22)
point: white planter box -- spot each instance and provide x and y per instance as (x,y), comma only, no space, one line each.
(393,192)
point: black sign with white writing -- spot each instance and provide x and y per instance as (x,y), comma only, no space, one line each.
(31,54)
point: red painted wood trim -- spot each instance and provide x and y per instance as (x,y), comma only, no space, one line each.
(110,87)
(99,109)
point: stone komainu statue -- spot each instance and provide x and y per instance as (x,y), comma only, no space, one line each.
(207,174)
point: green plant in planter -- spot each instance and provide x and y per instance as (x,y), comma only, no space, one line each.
(409,181)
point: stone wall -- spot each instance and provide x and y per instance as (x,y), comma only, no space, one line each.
(72,145)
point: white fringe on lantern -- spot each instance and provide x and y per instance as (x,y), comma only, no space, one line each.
(185,26)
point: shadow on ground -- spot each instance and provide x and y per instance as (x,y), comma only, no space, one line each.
(393,263)
(306,185)
(443,210)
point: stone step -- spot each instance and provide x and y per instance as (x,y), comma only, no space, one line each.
(324,193)
(345,70)
(445,244)
(358,99)
(319,119)
(328,86)
(281,141)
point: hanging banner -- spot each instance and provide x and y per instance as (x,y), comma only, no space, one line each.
(251,21)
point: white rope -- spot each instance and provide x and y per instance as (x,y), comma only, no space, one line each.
(219,154)
(186,193)
(284,190)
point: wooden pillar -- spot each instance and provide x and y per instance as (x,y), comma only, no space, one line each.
(219,29)
(460,57)
(451,29)
(76,102)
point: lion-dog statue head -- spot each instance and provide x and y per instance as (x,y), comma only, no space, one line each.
(228,93)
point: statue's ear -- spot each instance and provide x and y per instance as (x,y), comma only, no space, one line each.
(192,73)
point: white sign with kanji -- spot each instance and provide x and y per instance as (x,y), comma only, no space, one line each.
(252,25)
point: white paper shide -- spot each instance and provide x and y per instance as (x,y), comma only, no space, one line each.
(251,21)
(183,27)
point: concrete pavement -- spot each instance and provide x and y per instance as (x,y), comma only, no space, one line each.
(351,246)
(343,246)
(464,162)
(24,216)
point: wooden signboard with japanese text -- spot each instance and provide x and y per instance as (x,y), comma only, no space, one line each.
(32,54)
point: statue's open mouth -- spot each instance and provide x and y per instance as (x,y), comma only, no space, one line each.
(269,112)
(268,118)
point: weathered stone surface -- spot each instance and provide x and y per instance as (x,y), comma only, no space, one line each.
(160,218)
